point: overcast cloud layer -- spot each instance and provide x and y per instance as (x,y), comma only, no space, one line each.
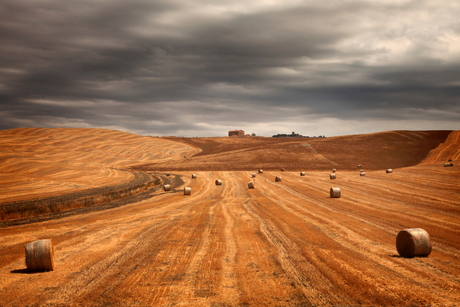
(201,68)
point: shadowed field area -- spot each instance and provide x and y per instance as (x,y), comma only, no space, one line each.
(374,151)
(281,244)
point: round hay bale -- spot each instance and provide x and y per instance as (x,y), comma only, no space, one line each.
(452,164)
(359,166)
(362,174)
(302,173)
(389,171)
(253,175)
(332,176)
(278,178)
(413,242)
(187,191)
(261,171)
(167,187)
(167,173)
(282,169)
(193,176)
(218,182)
(333,170)
(40,255)
(335,193)
(446,164)
(251,185)
(450,160)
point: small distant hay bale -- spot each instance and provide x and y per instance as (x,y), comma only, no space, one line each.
(335,192)
(302,173)
(359,166)
(450,160)
(253,175)
(218,182)
(362,174)
(278,178)
(187,191)
(40,255)
(251,185)
(333,170)
(389,171)
(332,176)
(282,169)
(261,171)
(413,242)
(167,187)
(193,176)
(448,164)
(452,164)
(167,173)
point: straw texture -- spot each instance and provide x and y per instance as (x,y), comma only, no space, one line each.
(187,191)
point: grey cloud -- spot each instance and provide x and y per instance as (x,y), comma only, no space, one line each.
(167,66)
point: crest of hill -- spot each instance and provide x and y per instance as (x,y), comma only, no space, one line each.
(392,149)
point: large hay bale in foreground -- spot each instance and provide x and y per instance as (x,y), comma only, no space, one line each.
(332,176)
(335,192)
(218,182)
(413,242)
(193,176)
(389,171)
(40,255)
(278,178)
(167,187)
(253,175)
(362,174)
(302,173)
(187,191)
(261,171)
(251,185)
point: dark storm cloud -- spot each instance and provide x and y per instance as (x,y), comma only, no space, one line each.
(175,67)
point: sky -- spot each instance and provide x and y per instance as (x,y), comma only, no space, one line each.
(201,68)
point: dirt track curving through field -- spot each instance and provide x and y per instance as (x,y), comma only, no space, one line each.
(281,244)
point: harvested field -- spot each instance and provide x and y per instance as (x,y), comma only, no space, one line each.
(281,244)
(394,149)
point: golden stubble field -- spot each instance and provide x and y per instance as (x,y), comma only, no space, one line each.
(281,244)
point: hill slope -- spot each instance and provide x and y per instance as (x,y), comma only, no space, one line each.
(393,149)
(37,162)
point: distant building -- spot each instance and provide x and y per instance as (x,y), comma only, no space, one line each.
(236,133)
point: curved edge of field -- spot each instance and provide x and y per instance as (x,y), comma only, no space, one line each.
(42,162)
